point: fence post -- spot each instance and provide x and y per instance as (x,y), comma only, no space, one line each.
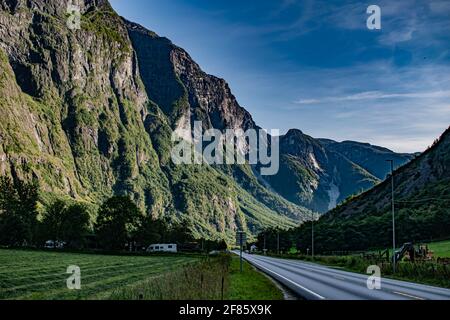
(223,280)
(201,286)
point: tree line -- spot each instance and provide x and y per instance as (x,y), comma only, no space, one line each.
(119,223)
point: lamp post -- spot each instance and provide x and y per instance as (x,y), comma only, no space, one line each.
(278,241)
(264,250)
(312,237)
(393,214)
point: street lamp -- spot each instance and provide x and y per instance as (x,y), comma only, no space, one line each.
(312,235)
(278,241)
(393,214)
(264,250)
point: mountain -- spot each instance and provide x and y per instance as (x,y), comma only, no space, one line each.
(427,174)
(83,114)
(422,196)
(370,157)
(90,112)
(314,176)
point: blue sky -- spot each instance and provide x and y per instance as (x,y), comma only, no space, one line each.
(314,65)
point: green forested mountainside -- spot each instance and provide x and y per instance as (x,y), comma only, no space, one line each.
(422,193)
(89,113)
(77,117)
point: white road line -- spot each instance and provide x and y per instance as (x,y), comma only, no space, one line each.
(408,295)
(294,283)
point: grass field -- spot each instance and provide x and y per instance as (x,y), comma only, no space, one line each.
(42,275)
(440,249)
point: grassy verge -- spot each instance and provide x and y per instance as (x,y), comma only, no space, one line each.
(211,279)
(250,284)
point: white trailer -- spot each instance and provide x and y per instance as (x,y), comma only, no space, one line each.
(162,248)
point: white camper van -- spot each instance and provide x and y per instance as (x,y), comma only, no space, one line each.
(162,248)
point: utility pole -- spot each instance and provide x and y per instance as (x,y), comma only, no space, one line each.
(264,250)
(393,214)
(240,255)
(312,236)
(278,242)
(241,238)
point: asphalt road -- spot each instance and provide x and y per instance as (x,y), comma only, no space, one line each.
(317,282)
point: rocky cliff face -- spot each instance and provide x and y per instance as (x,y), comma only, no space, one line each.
(82,104)
(85,114)
(184,92)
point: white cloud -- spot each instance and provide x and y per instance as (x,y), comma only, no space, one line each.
(376,95)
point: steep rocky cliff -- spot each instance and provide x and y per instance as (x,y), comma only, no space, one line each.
(77,115)
(78,97)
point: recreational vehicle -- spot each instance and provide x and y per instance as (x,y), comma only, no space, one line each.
(162,248)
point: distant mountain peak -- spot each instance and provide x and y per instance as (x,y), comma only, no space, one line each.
(294,132)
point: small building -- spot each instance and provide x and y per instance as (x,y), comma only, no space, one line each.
(162,248)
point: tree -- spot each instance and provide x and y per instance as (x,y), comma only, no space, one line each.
(117,223)
(181,232)
(150,231)
(51,225)
(66,222)
(18,212)
(76,225)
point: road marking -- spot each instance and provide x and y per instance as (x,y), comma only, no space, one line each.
(294,283)
(408,295)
